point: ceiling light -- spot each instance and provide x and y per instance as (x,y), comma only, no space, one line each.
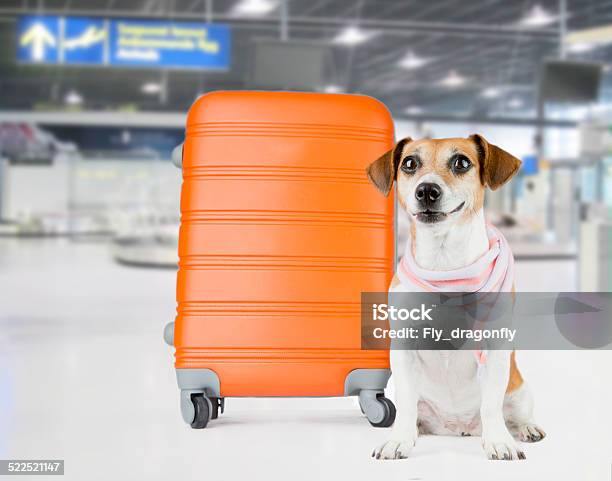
(332,89)
(491,92)
(151,88)
(413,110)
(515,103)
(601,35)
(453,79)
(73,98)
(410,61)
(580,47)
(538,17)
(352,35)
(254,7)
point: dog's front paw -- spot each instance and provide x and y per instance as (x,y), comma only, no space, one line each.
(394,449)
(531,433)
(502,448)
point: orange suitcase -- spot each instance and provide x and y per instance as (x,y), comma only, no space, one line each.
(280,233)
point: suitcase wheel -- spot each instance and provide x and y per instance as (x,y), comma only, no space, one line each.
(380,411)
(202,411)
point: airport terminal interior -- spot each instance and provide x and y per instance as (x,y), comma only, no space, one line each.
(90,198)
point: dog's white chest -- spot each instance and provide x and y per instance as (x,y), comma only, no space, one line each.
(449,392)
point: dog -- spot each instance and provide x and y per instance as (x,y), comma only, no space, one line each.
(441,185)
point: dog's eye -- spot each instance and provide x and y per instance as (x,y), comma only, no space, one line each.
(410,164)
(461,164)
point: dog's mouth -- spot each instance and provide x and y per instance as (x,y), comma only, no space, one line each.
(432,216)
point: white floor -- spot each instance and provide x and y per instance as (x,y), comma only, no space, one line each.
(85,377)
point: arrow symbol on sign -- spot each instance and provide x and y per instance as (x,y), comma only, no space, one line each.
(39,37)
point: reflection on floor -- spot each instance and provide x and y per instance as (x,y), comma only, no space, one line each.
(85,377)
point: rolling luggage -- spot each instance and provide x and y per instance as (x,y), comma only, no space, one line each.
(280,233)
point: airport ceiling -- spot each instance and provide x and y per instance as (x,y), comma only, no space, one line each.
(481,42)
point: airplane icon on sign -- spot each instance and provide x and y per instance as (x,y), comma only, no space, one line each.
(38,38)
(89,37)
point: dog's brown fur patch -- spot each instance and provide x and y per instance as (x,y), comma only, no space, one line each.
(497,166)
(383,171)
(516,380)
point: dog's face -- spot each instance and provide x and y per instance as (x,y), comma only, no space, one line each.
(442,181)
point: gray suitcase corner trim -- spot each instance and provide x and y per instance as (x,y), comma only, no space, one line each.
(199,380)
(366,380)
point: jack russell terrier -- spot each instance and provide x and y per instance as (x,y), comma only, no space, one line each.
(441,185)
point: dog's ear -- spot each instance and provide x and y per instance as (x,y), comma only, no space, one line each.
(382,171)
(496,165)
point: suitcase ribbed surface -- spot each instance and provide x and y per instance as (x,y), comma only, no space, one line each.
(280,233)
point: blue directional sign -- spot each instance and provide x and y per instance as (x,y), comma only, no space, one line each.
(84,40)
(38,39)
(169,44)
(123,42)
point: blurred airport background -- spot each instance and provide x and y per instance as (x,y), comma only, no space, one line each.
(93,99)
(91,107)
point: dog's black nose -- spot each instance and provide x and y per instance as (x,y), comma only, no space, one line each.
(428,193)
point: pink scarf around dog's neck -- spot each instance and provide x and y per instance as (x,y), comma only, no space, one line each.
(492,272)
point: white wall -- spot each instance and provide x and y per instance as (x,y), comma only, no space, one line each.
(32,190)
